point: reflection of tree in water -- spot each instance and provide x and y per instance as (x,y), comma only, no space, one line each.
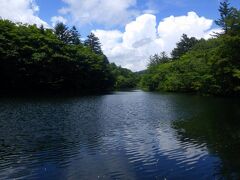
(218,126)
(36,135)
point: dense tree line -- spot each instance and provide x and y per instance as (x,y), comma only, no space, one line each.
(124,78)
(39,59)
(206,66)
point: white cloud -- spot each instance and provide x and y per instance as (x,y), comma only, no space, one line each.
(142,29)
(57,19)
(109,39)
(212,33)
(172,28)
(150,11)
(24,11)
(142,38)
(106,12)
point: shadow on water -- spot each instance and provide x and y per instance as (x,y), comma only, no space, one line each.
(38,136)
(122,135)
(216,124)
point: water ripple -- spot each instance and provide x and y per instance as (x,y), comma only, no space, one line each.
(126,135)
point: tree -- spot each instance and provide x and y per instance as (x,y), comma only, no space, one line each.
(183,46)
(62,32)
(234,22)
(33,60)
(229,19)
(158,59)
(124,78)
(93,43)
(225,13)
(42,29)
(75,36)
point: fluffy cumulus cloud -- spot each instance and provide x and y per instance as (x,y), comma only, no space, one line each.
(171,28)
(21,11)
(104,12)
(58,19)
(143,37)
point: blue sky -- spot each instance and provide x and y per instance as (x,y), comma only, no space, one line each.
(129,30)
(162,8)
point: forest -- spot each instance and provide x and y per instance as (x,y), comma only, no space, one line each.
(201,66)
(43,60)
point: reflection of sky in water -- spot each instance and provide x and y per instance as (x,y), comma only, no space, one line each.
(123,135)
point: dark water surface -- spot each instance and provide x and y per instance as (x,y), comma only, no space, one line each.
(125,135)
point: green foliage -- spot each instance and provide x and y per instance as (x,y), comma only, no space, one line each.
(226,64)
(158,59)
(225,12)
(93,43)
(211,67)
(62,32)
(75,36)
(71,36)
(37,59)
(183,46)
(229,19)
(124,78)
(205,66)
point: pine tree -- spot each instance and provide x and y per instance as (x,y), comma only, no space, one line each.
(235,22)
(184,45)
(75,36)
(225,14)
(157,59)
(93,43)
(61,30)
(229,19)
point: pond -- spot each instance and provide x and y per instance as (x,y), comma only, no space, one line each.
(123,135)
